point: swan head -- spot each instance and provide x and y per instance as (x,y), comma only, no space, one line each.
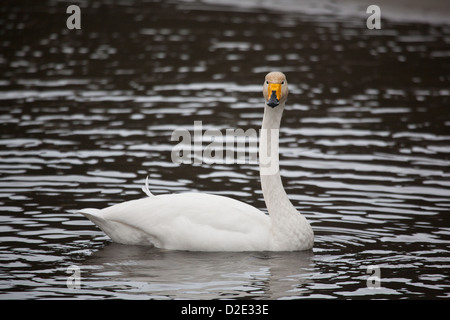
(275,89)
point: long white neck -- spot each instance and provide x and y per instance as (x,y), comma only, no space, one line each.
(271,184)
(290,229)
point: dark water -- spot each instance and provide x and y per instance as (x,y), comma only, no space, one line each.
(87,114)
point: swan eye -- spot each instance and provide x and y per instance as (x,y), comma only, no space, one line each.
(282,82)
(267,81)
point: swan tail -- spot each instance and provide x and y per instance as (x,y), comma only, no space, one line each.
(146,189)
(118,231)
(93,215)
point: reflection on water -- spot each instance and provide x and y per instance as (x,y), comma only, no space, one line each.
(87,114)
(158,274)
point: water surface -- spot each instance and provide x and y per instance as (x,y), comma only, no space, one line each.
(87,114)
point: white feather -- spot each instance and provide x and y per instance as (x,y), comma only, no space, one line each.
(146,189)
(186,221)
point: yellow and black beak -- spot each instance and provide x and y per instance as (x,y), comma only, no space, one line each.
(274,94)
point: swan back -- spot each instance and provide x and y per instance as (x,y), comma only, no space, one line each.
(187,221)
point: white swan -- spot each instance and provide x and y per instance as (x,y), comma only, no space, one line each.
(205,222)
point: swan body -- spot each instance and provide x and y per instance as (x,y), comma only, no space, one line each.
(176,222)
(206,222)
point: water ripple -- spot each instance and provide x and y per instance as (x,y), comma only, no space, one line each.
(85,117)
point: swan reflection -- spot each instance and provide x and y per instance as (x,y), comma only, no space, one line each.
(146,272)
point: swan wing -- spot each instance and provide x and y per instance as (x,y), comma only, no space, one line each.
(187,221)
